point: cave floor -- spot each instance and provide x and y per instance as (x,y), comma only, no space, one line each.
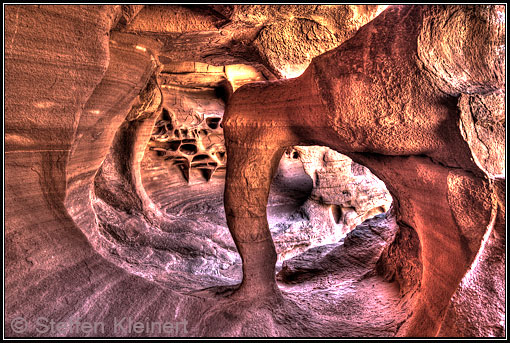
(341,303)
(328,291)
(343,306)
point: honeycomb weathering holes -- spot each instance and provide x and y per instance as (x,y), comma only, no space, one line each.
(195,142)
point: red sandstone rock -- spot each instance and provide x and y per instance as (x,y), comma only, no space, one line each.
(416,95)
(407,134)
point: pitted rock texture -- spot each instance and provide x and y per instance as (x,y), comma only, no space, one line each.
(188,132)
(188,135)
(292,35)
(248,34)
(98,227)
(408,134)
(352,189)
(483,126)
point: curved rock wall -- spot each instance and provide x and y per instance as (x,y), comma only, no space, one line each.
(188,140)
(408,134)
(419,105)
(53,270)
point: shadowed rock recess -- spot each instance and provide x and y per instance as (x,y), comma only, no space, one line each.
(254,170)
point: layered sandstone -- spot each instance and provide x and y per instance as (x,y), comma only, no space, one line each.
(116,118)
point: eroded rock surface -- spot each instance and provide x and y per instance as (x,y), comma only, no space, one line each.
(408,134)
(341,196)
(188,135)
(98,226)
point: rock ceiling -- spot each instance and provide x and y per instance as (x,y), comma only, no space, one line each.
(222,165)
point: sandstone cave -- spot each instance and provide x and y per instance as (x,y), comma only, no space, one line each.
(254,170)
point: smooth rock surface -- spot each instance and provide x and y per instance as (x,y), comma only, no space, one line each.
(98,227)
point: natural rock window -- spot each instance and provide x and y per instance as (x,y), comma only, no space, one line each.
(317,197)
(255,170)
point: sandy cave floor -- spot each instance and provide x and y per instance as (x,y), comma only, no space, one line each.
(320,299)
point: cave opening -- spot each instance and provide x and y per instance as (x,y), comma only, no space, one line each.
(115,200)
(317,195)
(329,221)
(318,198)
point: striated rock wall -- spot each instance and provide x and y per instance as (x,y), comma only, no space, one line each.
(416,96)
(56,59)
(376,99)
(478,304)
